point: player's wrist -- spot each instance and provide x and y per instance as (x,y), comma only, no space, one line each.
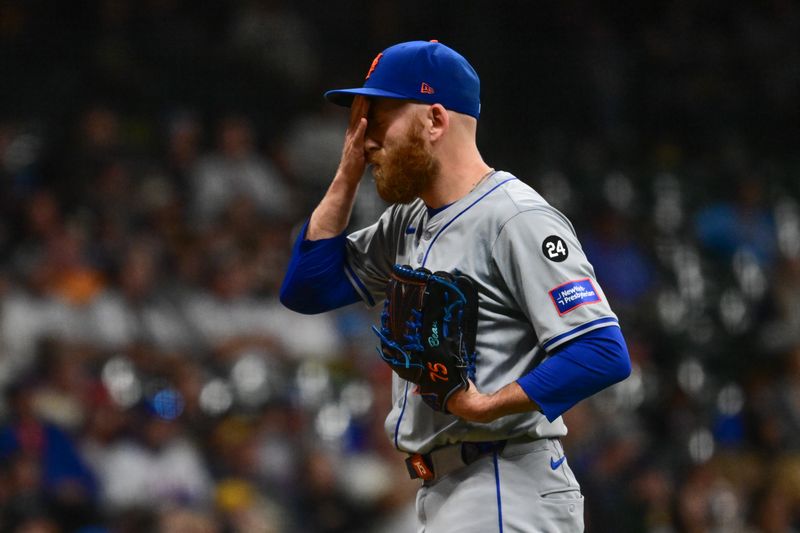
(471,405)
(348,177)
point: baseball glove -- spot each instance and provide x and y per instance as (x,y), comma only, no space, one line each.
(428,331)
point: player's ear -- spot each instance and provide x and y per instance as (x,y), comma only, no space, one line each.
(438,121)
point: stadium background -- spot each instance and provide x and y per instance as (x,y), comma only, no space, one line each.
(157,156)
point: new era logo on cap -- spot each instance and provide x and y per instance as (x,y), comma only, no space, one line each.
(426,71)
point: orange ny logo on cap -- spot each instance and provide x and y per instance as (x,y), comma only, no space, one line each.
(374,64)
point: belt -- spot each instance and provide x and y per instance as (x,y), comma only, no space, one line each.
(442,461)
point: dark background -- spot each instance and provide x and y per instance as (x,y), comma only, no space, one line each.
(157,157)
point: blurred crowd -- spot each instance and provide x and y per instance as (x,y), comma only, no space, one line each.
(158,158)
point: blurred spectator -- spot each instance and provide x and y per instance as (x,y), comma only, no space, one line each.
(155,467)
(184,135)
(104,426)
(277,39)
(60,283)
(47,475)
(66,387)
(312,148)
(323,506)
(68,275)
(782,330)
(38,525)
(624,270)
(614,468)
(96,143)
(743,224)
(235,172)
(773,512)
(231,319)
(245,510)
(138,308)
(779,409)
(187,521)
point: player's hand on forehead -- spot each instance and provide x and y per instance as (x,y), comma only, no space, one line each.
(352,164)
(358,121)
(358,110)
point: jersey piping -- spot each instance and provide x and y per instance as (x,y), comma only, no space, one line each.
(484,195)
(583,328)
(403,410)
(358,284)
(430,246)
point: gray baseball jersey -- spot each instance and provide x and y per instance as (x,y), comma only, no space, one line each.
(536,291)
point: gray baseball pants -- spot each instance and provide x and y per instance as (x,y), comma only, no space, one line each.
(525,488)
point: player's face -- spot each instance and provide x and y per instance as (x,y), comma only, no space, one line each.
(401,158)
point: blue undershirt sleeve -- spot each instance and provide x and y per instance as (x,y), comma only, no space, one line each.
(577,370)
(315,280)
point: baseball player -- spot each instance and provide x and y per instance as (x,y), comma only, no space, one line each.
(491,458)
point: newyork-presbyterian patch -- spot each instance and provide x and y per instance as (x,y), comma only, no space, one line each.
(574,294)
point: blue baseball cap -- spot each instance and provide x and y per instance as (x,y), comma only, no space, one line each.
(427,71)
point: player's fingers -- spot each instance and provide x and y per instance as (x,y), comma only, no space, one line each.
(353,156)
(354,140)
(361,104)
(361,129)
(358,110)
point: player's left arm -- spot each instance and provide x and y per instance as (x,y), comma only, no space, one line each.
(572,373)
(538,254)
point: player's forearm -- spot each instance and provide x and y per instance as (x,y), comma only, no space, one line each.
(509,400)
(475,406)
(332,215)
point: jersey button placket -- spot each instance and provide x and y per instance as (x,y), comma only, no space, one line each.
(426,236)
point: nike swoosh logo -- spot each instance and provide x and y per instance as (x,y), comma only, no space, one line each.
(556,464)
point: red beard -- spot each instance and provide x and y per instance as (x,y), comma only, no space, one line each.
(403,173)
